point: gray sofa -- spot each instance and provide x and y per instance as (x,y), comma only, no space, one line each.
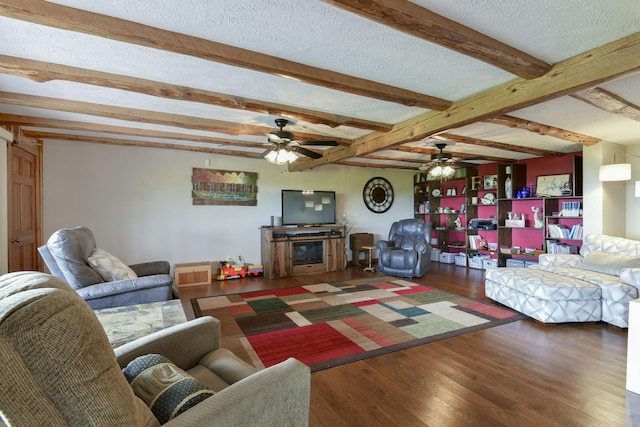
(407,253)
(60,370)
(67,254)
(596,285)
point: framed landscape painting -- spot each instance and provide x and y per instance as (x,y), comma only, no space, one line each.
(551,185)
(221,187)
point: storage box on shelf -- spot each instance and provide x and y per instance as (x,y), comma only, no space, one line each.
(476,261)
(447,257)
(489,263)
(435,254)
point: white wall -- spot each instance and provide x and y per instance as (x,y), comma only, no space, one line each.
(633,202)
(4,210)
(138,202)
(611,207)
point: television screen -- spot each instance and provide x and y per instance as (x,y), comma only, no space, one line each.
(306,207)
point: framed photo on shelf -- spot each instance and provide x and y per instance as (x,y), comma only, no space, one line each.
(551,185)
(490,182)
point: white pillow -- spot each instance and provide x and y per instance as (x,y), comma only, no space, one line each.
(109,267)
(609,263)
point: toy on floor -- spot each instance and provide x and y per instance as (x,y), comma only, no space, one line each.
(235,269)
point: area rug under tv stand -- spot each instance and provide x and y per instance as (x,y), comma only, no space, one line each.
(332,323)
(291,251)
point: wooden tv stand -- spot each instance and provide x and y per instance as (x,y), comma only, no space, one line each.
(290,251)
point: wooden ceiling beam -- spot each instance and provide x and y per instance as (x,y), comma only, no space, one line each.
(460,139)
(68,18)
(609,102)
(370,165)
(44,71)
(214,141)
(132,143)
(540,129)
(392,159)
(144,116)
(457,155)
(42,122)
(585,70)
(413,19)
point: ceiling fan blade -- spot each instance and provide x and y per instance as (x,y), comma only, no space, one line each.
(271,136)
(466,164)
(325,142)
(473,158)
(306,152)
(264,154)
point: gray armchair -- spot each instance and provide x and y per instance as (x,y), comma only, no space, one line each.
(407,253)
(60,370)
(67,253)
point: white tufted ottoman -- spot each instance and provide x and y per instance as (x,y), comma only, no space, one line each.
(544,296)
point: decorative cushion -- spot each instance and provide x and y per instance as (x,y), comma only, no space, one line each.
(70,248)
(609,263)
(165,388)
(109,267)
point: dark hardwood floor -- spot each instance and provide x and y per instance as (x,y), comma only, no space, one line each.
(519,374)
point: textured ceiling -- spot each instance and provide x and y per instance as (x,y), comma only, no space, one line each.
(322,35)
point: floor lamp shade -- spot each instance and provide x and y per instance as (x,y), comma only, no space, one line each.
(615,172)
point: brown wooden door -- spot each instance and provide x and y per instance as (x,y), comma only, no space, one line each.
(24,208)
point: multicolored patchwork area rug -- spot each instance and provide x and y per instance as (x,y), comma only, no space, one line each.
(328,324)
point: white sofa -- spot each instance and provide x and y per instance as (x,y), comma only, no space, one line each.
(595,285)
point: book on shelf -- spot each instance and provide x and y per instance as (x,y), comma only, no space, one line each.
(570,209)
(561,231)
(473,241)
(423,208)
(555,247)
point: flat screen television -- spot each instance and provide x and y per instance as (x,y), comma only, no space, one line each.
(308,208)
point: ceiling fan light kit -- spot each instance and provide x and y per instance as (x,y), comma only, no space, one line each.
(285,146)
(442,172)
(281,156)
(439,168)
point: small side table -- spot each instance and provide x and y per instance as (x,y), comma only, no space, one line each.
(191,274)
(369,250)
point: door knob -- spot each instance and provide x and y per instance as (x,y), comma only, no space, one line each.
(15,240)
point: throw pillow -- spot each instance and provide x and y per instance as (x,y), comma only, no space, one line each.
(603,262)
(109,267)
(166,389)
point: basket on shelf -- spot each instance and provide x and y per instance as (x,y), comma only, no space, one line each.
(435,254)
(489,263)
(476,261)
(447,257)
(461,259)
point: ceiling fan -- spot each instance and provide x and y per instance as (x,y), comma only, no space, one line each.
(443,159)
(285,140)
